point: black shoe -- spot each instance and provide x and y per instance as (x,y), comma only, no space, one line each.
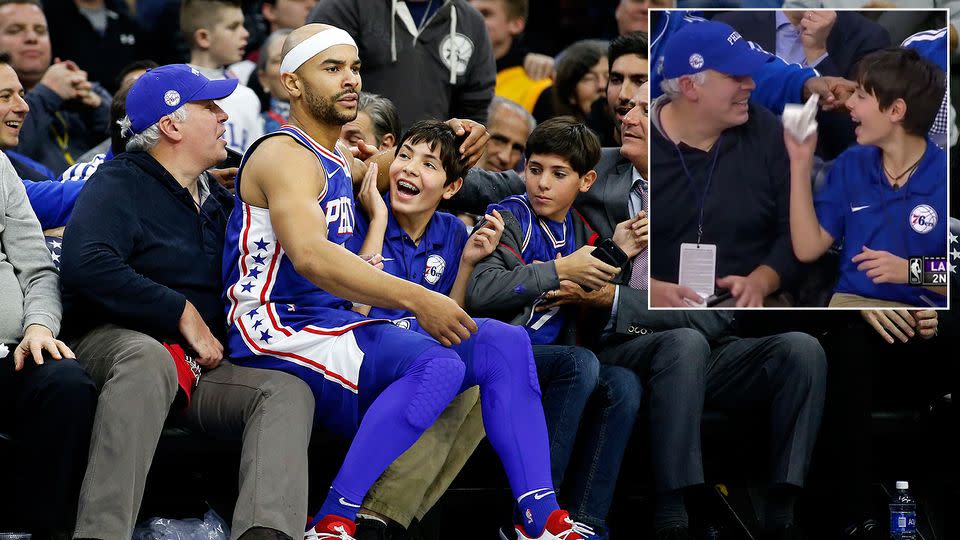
(370,529)
(674,533)
(871,530)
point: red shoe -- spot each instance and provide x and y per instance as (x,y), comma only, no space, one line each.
(559,527)
(332,528)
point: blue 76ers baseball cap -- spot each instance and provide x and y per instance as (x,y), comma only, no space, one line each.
(710,45)
(162,90)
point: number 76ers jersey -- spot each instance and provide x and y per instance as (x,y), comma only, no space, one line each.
(257,272)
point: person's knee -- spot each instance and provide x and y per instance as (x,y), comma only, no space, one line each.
(439,380)
(68,385)
(287,393)
(802,358)
(512,345)
(579,366)
(148,365)
(682,355)
(622,388)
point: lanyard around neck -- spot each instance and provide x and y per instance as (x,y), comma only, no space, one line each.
(700,194)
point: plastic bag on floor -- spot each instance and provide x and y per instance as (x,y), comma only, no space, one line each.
(211,527)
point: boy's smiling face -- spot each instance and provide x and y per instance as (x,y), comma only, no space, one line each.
(873,124)
(552,185)
(417,179)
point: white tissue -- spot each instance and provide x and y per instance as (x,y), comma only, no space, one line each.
(801,120)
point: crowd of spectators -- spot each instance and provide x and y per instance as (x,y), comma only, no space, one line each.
(124,123)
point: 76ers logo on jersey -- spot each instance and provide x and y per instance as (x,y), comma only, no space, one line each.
(434,269)
(923,218)
(340,211)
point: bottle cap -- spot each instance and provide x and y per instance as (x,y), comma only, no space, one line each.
(903,485)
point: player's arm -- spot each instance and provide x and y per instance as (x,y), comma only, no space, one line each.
(289,180)
(810,240)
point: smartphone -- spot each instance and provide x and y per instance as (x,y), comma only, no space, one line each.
(719,297)
(233,159)
(609,252)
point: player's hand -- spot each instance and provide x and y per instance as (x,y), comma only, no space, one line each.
(571,293)
(363,151)
(37,339)
(538,66)
(890,323)
(833,91)
(209,350)
(476,142)
(666,294)
(632,235)
(747,291)
(800,151)
(375,260)
(815,27)
(927,322)
(443,319)
(483,241)
(224,177)
(369,196)
(882,266)
(583,268)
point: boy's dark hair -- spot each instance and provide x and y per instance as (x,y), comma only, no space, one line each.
(568,138)
(442,139)
(895,73)
(516,9)
(118,109)
(136,65)
(574,62)
(632,43)
(201,14)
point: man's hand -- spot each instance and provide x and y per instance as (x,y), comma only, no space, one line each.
(882,266)
(889,323)
(443,319)
(583,268)
(538,66)
(369,196)
(815,27)
(363,151)
(63,78)
(36,339)
(484,241)
(476,142)
(87,95)
(666,294)
(375,260)
(199,338)
(746,290)
(927,322)
(632,235)
(833,91)
(224,177)
(571,293)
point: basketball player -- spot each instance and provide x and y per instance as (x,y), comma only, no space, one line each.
(290,285)
(886,198)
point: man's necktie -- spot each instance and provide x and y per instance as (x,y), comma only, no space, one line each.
(638,277)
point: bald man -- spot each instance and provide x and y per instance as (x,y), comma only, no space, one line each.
(290,308)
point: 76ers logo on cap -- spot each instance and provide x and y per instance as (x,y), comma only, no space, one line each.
(923,218)
(171,98)
(434,269)
(696,61)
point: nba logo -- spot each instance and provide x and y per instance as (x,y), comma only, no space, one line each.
(916,271)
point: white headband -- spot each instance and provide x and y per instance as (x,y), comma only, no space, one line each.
(313,46)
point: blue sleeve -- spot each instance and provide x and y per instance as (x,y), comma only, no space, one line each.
(830,201)
(52,201)
(102,236)
(779,83)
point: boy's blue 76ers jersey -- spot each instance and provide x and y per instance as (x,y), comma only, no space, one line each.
(257,271)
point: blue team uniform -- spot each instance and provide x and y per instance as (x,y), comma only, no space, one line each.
(859,207)
(777,81)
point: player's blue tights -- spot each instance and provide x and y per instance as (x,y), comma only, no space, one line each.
(414,393)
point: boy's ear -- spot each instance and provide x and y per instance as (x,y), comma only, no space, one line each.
(897,110)
(587,180)
(202,38)
(516,26)
(452,188)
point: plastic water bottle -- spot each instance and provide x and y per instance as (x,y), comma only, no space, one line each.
(903,514)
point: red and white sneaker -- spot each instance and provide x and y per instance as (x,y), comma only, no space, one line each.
(332,528)
(559,527)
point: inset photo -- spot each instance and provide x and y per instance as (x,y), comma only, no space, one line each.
(797,159)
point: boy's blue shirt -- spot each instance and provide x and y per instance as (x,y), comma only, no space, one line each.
(543,240)
(433,263)
(859,207)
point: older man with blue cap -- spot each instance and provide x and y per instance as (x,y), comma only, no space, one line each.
(141,291)
(720,172)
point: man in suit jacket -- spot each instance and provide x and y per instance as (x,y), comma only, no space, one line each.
(830,41)
(685,358)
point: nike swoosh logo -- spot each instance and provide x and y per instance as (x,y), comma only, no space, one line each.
(539,496)
(331,173)
(858,208)
(345,503)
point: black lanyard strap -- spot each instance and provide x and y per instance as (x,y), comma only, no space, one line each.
(701,195)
